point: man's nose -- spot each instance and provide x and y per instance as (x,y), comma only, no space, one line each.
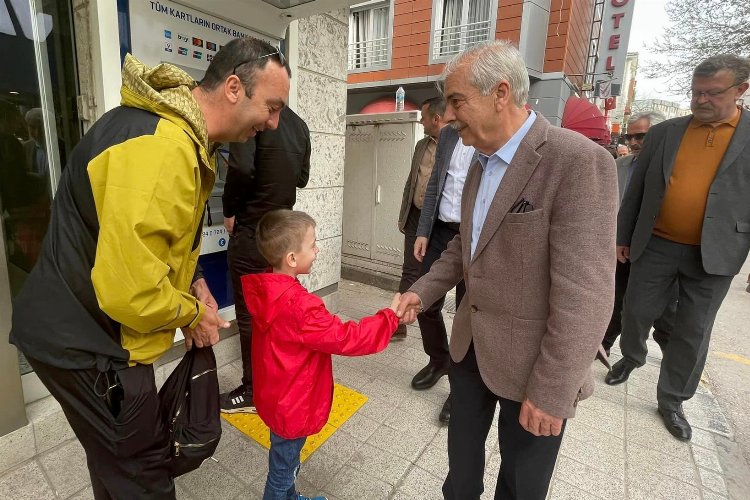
(449,115)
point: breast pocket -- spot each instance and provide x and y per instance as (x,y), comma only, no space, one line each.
(526,217)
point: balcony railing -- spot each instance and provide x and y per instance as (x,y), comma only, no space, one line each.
(368,54)
(454,39)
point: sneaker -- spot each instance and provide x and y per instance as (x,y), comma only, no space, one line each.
(239,400)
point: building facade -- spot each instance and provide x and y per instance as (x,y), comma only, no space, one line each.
(668,109)
(62,72)
(406,43)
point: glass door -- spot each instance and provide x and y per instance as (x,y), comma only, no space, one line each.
(39,126)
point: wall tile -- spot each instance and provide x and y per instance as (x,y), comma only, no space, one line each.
(340,15)
(326,160)
(325,205)
(323,46)
(327,268)
(321,102)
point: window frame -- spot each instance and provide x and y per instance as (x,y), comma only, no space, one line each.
(373,4)
(436,22)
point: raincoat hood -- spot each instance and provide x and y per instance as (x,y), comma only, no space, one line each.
(266,294)
(165,90)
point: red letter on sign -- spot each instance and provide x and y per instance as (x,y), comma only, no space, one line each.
(619,3)
(610,64)
(617,18)
(614,42)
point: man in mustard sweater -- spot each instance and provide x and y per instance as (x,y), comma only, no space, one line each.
(686,217)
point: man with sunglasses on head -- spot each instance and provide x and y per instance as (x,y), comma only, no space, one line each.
(636,133)
(116,275)
(685,218)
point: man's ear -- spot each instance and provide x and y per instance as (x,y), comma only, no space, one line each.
(233,89)
(502,93)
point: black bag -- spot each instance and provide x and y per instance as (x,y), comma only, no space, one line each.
(190,409)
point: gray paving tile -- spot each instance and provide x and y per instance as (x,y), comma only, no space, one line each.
(703,412)
(17,447)
(320,468)
(610,462)
(660,440)
(351,377)
(658,485)
(682,470)
(599,437)
(351,484)
(421,407)
(26,482)
(417,355)
(713,481)
(708,459)
(399,443)
(51,428)
(490,484)
(377,410)
(85,494)
(244,458)
(562,490)
(492,467)
(703,438)
(434,460)
(230,376)
(611,424)
(341,446)
(603,406)
(422,427)
(66,468)
(212,480)
(710,495)
(360,426)
(421,485)
(440,441)
(379,464)
(183,494)
(589,479)
(641,388)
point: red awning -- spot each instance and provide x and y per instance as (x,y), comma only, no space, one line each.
(585,118)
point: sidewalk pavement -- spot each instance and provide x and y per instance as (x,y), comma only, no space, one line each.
(394,447)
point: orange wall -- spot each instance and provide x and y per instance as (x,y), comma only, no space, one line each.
(567,38)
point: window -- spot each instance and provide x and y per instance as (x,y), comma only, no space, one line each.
(459,24)
(369,36)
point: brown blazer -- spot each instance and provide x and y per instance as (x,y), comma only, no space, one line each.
(540,287)
(411,182)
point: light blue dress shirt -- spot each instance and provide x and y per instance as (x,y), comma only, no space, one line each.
(493,171)
(449,209)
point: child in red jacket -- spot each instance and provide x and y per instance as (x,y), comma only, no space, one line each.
(294,337)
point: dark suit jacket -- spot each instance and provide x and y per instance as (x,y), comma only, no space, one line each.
(540,286)
(411,182)
(623,165)
(725,239)
(443,154)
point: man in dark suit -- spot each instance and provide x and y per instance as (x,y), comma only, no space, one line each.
(414,193)
(636,133)
(686,218)
(538,223)
(438,224)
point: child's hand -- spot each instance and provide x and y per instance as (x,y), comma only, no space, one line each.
(394,303)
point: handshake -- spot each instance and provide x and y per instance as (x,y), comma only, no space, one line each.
(406,307)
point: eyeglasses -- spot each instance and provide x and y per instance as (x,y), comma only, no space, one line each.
(277,54)
(710,94)
(637,137)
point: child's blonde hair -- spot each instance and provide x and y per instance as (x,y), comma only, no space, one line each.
(280,232)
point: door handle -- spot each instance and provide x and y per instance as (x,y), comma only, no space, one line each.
(377,195)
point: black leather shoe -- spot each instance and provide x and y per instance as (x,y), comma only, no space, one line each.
(400,333)
(620,372)
(428,376)
(445,412)
(676,423)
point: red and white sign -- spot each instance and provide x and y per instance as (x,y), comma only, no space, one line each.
(613,41)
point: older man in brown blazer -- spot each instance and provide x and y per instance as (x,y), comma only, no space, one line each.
(538,219)
(414,190)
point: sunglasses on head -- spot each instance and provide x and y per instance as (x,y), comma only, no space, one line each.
(637,137)
(277,54)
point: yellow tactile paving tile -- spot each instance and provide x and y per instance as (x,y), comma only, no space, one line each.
(346,402)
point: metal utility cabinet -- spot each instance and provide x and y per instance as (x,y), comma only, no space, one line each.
(379,149)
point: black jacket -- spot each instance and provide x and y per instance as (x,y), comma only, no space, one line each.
(265,172)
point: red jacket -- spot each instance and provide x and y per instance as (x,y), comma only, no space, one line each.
(294,336)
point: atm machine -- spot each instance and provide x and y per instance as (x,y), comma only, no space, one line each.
(187,34)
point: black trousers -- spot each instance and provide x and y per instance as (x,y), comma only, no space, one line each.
(412,268)
(663,325)
(244,258)
(652,276)
(127,446)
(527,461)
(431,324)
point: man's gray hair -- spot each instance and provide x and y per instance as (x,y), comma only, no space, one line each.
(652,117)
(739,67)
(489,63)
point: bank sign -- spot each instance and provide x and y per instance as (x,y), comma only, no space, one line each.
(613,41)
(166,31)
